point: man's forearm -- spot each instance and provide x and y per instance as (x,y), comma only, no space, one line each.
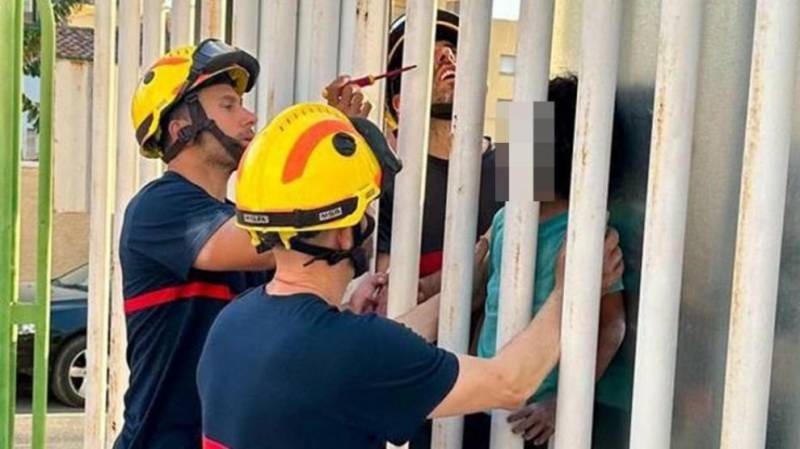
(608,343)
(612,331)
(423,319)
(533,353)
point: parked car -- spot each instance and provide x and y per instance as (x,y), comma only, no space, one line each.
(68,309)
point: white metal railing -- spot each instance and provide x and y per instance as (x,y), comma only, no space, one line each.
(665,225)
(296,64)
(760,228)
(600,38)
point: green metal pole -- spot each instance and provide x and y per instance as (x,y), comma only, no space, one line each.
(45,219)
(10,126)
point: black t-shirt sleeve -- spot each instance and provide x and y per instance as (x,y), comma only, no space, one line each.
(385,221)
(397,379)
(172,224)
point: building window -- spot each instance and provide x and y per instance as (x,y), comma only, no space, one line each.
(508,64)
(30,145)
(30,11)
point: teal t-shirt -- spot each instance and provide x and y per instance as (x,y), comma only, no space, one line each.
(612,389)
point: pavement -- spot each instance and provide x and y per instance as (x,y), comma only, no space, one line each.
(64,424)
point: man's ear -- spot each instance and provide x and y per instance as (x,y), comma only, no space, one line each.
(175,126)
(396,104)
(344,239)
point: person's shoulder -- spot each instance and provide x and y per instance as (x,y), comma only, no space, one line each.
(171,195)
(375,336)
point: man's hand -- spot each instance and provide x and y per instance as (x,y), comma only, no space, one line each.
(366,298)
(535,421)
(613,266)
(347,98)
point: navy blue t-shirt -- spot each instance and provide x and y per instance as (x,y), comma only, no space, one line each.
(169,307)
(293,372)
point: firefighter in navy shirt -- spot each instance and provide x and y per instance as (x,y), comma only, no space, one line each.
(285,366)
(182,256)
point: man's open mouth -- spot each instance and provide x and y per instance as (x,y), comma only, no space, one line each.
(447,73)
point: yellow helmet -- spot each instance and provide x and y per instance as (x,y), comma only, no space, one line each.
(177,74)
(311,169)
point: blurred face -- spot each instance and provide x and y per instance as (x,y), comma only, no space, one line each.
(444,72)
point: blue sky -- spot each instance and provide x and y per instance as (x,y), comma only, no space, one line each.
(506,9)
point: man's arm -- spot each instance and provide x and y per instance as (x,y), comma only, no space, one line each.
(512,376)
(230,249)
(423,319)
(612,330)
(382,262)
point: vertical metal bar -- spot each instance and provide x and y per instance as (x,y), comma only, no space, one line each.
(153,31)
(127,167)
(760,226)
(665,223)
(44,226)
(600,37)
(10,124)
(463,188)
(413,149)
(317,47)
(276,51)
(102,175)
(245,35)
(522,218)
(181,24)
(212,19)
(347,35)
(369,54)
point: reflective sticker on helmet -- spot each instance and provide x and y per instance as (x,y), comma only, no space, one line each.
(330,214)
(255,219)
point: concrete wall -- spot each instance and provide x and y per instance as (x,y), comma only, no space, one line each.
(71,151)
(72,135)
(70,232)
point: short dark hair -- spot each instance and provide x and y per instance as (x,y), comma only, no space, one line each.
(563,92)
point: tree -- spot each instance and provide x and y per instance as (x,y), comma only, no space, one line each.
(31,52)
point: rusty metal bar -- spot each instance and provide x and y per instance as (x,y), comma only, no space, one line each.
(665,224)
(760,227)
(600,38)
(522,218)
(463,189)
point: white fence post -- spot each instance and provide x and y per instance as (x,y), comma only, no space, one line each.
(760,229)
(522,218)
(587,212)
(103,151)
(463,189)
(276,52)
(665,223)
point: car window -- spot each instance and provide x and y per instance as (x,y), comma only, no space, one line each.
(77,278)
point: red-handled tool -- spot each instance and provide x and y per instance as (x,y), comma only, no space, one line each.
(369,80)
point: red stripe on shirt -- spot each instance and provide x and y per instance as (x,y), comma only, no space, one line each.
(430,263)
(208,443)
(176,293)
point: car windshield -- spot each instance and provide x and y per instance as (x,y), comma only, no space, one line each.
(77,278)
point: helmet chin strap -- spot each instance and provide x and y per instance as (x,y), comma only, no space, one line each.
(200,123)
(357,254)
